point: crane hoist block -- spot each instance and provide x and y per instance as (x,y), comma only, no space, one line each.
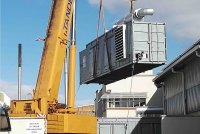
(129,48)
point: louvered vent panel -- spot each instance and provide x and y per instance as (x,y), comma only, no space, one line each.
(120,47)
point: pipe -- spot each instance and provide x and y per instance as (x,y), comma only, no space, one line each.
(164,98)
(19,70)
(141,13)
(197,54)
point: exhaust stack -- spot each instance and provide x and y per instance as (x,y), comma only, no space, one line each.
(141,13)
(19,70)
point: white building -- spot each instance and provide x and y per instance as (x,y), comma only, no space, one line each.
(128,97)
(180,82)
(4,99)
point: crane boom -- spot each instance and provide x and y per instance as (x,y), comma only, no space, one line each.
(44,102)
(54,50)
(46,92)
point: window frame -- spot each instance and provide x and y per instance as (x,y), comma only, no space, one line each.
(126,102)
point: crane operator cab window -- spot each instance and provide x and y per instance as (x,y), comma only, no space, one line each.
(4,120)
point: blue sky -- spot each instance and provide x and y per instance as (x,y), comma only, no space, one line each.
(23,21)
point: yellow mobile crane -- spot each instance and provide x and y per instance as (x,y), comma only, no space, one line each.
(44,102)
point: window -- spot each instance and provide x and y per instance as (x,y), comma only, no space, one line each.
(142,101)
(126,102)
(117,102)
(111,102)
(130,102)
(139,102)
(136,102)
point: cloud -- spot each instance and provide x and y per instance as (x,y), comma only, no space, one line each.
(11,88)
(113,5)
(182,17)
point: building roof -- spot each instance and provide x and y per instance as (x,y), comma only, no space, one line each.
(179,62)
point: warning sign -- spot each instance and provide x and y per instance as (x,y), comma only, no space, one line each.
(35,128)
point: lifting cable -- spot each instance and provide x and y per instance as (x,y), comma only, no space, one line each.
(132,7)
(100,17)
(131,84)
(79,86)
(130,91)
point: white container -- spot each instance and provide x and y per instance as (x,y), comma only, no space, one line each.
(4,99)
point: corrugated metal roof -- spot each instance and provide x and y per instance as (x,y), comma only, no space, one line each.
(178,62)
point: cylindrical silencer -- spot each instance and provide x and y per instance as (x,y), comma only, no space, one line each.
(140,13)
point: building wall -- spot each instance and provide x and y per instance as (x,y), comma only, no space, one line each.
(86,110)
(192,86)
(99,103)
(180,125)
(182,90)
(174,94)
(4,99)
(139,85)
(137,125)
(121,112)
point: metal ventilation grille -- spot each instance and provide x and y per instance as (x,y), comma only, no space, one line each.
(120,47)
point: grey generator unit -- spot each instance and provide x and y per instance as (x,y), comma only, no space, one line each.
(129,48)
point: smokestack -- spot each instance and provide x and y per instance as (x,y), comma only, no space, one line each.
(19,70)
